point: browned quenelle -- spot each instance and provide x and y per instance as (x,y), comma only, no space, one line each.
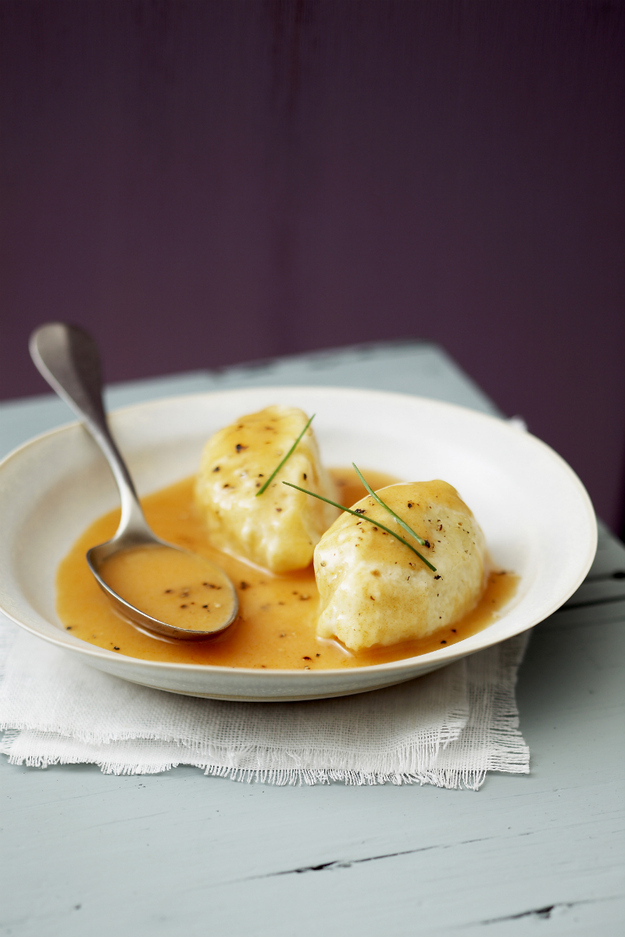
(278,527)
(375,590)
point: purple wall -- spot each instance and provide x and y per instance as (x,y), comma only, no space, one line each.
(203,183)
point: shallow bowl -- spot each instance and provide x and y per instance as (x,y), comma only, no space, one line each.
(535,513)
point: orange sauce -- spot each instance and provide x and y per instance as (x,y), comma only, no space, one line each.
(181,589)
(276,627)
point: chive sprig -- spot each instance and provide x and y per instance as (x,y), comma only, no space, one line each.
(287,456)
(364,517)
(390,510)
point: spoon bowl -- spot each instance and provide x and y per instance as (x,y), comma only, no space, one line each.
(153,575)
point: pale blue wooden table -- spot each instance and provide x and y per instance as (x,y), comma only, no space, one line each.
(90,854)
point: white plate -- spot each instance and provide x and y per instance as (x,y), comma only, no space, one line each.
(536,515)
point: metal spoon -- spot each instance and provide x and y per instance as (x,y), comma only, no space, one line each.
(68,359)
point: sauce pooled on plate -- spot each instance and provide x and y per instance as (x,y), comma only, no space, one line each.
(276,626)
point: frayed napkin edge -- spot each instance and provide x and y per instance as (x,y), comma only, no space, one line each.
(451,779)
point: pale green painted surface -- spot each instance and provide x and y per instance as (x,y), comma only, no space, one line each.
(91,854)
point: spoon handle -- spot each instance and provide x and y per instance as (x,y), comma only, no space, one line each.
(69,360)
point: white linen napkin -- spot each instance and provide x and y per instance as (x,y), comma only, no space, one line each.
(448,728)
